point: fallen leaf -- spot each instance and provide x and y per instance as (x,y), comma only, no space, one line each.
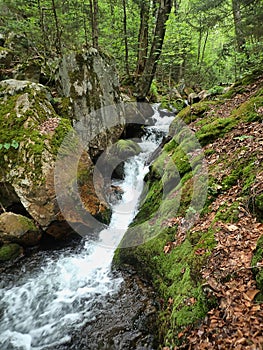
(232,228)
(250,294)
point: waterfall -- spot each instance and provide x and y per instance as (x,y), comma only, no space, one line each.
(48,301)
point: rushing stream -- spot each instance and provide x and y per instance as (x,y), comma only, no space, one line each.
(55,294)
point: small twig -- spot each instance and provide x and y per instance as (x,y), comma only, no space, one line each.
(250,267)
(2,207)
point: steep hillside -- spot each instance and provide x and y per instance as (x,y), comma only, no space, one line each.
(195,235)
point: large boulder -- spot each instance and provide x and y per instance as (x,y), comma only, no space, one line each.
(35,122)
(31,134)
(90,82)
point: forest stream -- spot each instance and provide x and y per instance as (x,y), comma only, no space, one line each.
(70,298)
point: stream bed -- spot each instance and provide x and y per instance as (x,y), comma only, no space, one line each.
(70,298)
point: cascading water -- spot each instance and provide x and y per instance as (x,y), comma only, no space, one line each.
(45,305)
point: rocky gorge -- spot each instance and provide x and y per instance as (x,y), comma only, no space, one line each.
(196,239)
(35,119)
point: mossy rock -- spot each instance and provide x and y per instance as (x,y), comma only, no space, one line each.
(178,104)
(10,252)
(127,148)
(176,275)
(248,110)
(258,206)
(111,163)
(18,229)
(193,112)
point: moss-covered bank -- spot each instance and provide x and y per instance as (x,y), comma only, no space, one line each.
(167,242)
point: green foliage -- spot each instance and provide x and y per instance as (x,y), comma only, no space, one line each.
(7,145)
(215,90)
(153,91)
(199,47)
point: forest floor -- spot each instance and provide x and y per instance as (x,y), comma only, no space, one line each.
(236,322)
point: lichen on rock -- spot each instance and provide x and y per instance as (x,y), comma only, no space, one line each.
(90,82)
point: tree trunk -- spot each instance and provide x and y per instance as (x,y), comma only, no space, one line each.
(143,37)
(145,80)
(85,23)
(125,38)
(94,22)
(58,31)
(42,26)
(238,25)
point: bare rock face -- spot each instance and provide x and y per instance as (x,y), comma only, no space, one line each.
(91,83)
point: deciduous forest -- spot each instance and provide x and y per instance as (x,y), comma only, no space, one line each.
(197,43)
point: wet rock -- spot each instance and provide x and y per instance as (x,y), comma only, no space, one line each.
(111,162)
(18,229)
(115,194)
(126,321)
(10,252)
(137,115)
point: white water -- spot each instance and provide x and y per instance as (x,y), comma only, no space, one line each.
(46,304)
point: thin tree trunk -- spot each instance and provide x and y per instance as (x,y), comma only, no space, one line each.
(85,23)
(204,47)
(144,82)
(125,38)
(94,22)
(42,27)
(58,32)
(200,32)
(238,25)
(143,37)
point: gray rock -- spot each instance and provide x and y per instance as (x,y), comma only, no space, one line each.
(91,83)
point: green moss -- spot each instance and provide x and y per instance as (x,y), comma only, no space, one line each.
(218,128)
(22,126)
(247,111)
(151,203)
(61,130)
(258,272)
(178,105)
(259,206)
(209,152)
(128,147)
(231,179)
(249,172)
(193,112)
(9,252)
(27,223)
(228,213)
